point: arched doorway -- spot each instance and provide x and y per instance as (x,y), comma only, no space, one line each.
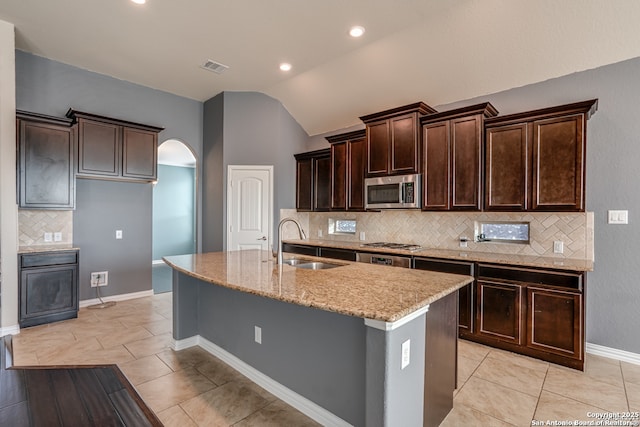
(174,209)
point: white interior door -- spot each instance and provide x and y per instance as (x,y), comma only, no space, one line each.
(249,207)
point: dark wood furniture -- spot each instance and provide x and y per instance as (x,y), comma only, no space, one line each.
(68,396)
(48,287)
(537,312)
(536,160)
(393,140)
(313,180)
(115,149)
(348,168)
(466,295)
(452,149)
(45,162)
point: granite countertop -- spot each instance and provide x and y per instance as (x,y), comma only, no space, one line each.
(567,264)
(46,248)
(362,290)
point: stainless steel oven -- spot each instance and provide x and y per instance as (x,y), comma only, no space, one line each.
(393,192)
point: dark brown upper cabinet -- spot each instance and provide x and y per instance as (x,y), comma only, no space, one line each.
(115,149)
(393,140)
(536,160)
(348,168)
(452,149)
(313,180)
(45,162)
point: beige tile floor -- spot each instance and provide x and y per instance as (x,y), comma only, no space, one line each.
(191,387)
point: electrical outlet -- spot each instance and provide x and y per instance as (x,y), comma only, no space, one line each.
(319,232)
(406,354)
(99,278)
(362,235)
(118,234)
(558,246)
(57,237)
(48,237)
(257,333)
(463,241)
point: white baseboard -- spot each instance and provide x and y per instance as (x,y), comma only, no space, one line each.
(612,353)
(301,403)
(121,297)
(10,330)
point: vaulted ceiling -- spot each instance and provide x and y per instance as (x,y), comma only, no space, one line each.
(436,51)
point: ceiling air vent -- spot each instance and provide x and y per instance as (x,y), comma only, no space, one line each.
(214,66)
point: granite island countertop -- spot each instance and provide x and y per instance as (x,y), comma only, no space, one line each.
(568,264)
(368,291)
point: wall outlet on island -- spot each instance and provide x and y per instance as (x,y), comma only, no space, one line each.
(99,278)
(257,334)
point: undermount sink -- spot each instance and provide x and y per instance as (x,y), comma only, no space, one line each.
(310,265)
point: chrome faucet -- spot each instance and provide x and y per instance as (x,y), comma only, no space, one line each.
(300,230)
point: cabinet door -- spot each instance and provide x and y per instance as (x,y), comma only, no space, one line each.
(99,148)
(339,181)
(554,321)
(404,145)
(322,183)
(466,157)
(46,168)
(139,154)
(507,167)
(558,163)
(357,153)
(304,184)
(378,148)
(48,294)
(436,148)
(499,311)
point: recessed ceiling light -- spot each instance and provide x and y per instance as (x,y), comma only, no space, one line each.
(285,66)
(139,1)
(356,31)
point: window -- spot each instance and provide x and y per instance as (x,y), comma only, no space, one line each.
(510,232)
(342,226)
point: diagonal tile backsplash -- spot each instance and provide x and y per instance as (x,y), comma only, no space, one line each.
(442,230)
(32,224)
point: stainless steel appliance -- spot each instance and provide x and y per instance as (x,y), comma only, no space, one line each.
(393,192)
(384,259)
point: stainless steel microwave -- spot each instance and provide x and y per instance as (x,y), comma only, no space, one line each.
(393,192)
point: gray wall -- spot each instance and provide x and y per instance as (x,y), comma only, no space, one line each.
(102,208)
(256,130)
(174,211)
(50,87)
(613,156)
(213,175)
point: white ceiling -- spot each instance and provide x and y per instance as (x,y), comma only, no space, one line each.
(436,51)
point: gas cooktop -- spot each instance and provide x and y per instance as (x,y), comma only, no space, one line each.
(389,245)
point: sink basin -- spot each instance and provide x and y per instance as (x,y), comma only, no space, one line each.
(310,265)
(294,262)
(317,265)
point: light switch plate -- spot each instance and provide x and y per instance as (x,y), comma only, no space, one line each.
(48,237)
(57,237)
(618,217)
(118,234)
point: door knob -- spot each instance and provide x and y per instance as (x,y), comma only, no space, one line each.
(262,238)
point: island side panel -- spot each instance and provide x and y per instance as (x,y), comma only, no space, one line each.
(318,354)
(395,395)
(441,359)
(185,302)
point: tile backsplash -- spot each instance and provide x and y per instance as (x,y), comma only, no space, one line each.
(442,230)
(32,224)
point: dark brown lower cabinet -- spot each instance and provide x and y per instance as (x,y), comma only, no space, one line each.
(536,312)
(48,286)
(554,321)
(500,311)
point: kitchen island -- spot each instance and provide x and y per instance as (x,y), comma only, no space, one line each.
(353,345)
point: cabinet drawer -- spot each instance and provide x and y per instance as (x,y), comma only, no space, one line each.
(444,266)
(49,258)
(550,278)
(338,254)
